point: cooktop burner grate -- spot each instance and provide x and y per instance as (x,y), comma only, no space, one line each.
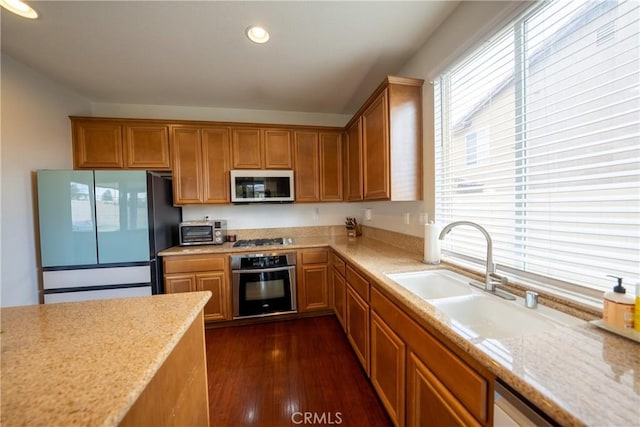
(262,242)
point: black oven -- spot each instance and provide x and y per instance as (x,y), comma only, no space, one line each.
(263,284)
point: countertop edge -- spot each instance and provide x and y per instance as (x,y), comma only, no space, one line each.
(118,414)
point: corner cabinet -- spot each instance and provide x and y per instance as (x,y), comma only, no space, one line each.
(201,163)
(120,144)
(190,273)
(387,134)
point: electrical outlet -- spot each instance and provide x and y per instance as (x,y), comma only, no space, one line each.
(367,214)
(423,218)
(407,218)
(316,213)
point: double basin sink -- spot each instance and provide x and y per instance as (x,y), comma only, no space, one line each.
(476,314)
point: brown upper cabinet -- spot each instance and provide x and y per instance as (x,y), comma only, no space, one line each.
(318,166)
(261,148)
(384,154)
(201,160)
(117,144)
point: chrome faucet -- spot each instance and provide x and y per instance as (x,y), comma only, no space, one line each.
(490,277)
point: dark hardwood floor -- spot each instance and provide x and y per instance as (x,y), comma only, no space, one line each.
(278,373)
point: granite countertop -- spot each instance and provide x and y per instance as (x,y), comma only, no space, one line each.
(579,375)
(86,363)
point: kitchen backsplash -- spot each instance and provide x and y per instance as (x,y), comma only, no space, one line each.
(391,216)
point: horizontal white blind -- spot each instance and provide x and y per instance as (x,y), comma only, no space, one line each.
(538,140)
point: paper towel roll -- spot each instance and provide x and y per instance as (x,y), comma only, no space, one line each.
(431,244)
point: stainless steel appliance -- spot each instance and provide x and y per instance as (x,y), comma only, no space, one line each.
(203,232)
(510,410)
(263,284)
(100,232)
(262,186)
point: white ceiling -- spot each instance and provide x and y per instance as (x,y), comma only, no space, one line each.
(323,57)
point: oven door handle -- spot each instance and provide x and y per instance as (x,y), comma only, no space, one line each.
(265,270)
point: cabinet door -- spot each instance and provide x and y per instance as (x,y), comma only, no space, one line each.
(122,218)
(67,227)
(429,402)
(174,283)
(217,308)
(388,353)
(146,147)
(358,326)
(246,148)
(97,145)
(375,147)
(277,149)
(216,158)
(307,175)
(330,166)
(339,295)
(187,165)
(314,292)
(353,162)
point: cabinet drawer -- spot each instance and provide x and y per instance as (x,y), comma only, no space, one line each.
(358,283)
(315,257)
(339,265)
(189,264)
(469,387)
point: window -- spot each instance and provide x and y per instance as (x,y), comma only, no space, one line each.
(558,182)
(477,143)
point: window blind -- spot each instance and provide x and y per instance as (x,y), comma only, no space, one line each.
(538,140)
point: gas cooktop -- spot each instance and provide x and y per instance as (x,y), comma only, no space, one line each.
(263,242)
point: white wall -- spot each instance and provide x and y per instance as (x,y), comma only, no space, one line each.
(35,134)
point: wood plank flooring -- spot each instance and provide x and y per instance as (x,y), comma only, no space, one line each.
(278,373)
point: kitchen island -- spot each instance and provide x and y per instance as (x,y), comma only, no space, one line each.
(105,362)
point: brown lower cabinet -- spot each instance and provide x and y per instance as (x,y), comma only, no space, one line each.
(357,316)
(442,389)
(420,380)
(313,280)
(388,357)
(430,403)
(201,273)
(339,291)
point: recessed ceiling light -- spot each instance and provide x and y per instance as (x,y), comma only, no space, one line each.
(19,8)
(257,34)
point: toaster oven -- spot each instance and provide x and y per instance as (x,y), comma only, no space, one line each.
(203,232)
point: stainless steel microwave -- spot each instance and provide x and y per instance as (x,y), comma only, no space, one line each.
(203,232)
(262,186)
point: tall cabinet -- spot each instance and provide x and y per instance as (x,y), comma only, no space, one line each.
(384,144)
(201,163)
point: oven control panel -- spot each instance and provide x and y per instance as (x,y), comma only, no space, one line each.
(257,261)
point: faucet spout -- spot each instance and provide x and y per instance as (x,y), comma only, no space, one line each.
(490,266)
(490,274)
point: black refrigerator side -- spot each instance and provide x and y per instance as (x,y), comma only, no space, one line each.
(164,219)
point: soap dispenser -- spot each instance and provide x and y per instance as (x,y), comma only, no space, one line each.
(618,306)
